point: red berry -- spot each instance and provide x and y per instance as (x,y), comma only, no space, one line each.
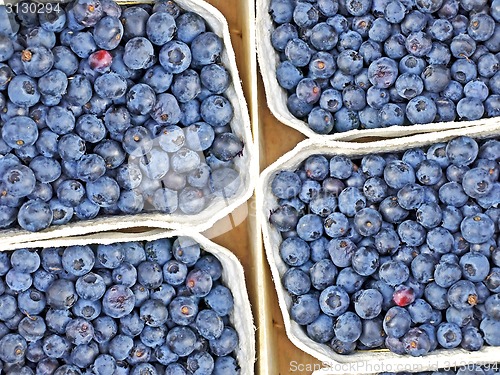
(403,295)
(100,61)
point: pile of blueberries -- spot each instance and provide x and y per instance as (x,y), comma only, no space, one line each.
(107,110)
(135,308)
(364,64)
(398,251)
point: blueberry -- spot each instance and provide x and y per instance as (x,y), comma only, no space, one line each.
(189,26)
(86,210)
(118,301)
(462,295)
(90,167)
(181,340)
(305,309)
(90,286)
(421,110)
(138,53)
(416,342)
(420,311)
(135,21)
(139,353)
(477,228)
(429,172)
(394,48)
(398,173)
(284,218)
(422,267)
(176,368)
(34,216)
(449,335)
(216,110)
(487,65)
(322,274)
(104,191)
(368,303)
(154,164)
(298,52)
(13,348)
(199,283)
(294,251)
(308,91)
(463,70)
(286,185)
(475,266)
(397,322)
(373,334)
(354,98)
(46,143)
(206,48)
(323,37)
(305,15)
(472,339)
(165,200)
(395,12)
(323,204)
(19,181)
(175,57)
(382,72)
(288,75)
(110,86)
(367,221)
(320,121)
(469,108)
(9,307)
(488,326)
(160,28)
(61,294)
(6,75)
(310,227)
(37,61)
(166,111)
(78,260)
(492,105)
(334,301)
(183,161)
(6,48)
(297,107)
(393,272)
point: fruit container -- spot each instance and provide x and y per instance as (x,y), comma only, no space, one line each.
(320,358)
(276,96)
(245,163)
(240,318)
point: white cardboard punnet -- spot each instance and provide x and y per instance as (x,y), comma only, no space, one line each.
(232,276)
(361,362)
(276,96)
(219,207)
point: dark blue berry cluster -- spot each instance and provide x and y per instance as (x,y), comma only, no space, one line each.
(364,64)
(398,251)
(472,369)
(112,110)
(138,308)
